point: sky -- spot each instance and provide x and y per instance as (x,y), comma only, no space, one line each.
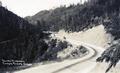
(31,7)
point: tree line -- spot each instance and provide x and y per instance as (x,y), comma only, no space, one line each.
(81,17)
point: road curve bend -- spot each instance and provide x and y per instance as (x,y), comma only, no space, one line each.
(81,65)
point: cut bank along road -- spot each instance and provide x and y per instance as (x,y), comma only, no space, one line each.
(81,65)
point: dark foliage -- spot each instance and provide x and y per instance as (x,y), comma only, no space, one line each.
(72,18)
(111,55)
(54,47)
(79,52)
(81,17)
(19,40)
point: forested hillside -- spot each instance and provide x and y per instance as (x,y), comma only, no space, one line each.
(77,17)
(24,42)
(82,17)
(19,40)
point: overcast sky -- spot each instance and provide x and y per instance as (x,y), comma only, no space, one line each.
(30,7)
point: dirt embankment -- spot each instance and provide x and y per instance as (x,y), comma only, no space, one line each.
(95,36)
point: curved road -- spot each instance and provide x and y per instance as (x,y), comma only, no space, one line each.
(82,65)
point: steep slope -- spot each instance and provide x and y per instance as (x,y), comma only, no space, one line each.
(11,25)
(76,17)
(83,17)
(19,40)
(95,36)
(80,17)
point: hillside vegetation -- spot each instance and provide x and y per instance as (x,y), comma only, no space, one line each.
(19,40)
(81,17)
(26,43)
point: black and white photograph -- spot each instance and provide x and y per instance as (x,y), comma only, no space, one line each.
(59,36)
